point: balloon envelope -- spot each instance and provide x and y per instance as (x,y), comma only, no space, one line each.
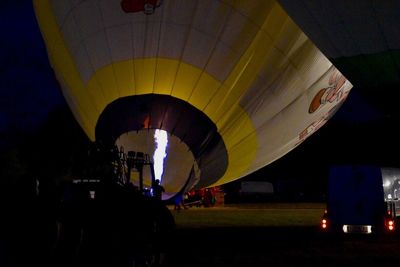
(235,84)
(361,38)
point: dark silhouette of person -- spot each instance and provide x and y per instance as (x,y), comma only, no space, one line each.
(158,189)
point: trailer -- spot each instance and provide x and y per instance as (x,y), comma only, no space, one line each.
(362,199)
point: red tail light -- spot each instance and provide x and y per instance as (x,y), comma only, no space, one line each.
(390,225)
(324,223)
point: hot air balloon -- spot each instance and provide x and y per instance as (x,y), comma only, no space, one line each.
(231,86)
(361,38)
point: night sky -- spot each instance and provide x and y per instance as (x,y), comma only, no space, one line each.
(28,87)
(363,131)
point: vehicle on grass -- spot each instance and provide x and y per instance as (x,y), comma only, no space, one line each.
(362,199)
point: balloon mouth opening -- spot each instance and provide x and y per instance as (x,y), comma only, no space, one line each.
(173,161)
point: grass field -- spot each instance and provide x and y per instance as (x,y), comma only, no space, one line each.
(251,215)
(271,235)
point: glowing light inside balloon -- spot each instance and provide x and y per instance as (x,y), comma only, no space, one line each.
(161,139)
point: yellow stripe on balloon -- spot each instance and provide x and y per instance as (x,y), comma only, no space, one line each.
(64,65)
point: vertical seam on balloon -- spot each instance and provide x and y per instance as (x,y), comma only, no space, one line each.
(222,30)
(276,78)
(133,59)
(217,41)
(244,51)
(244,91)
(288,19)
(158,47)
(145,49)
(109,48)
(184,46)
(237,101)
(82,41)
(179,65)
(222,85)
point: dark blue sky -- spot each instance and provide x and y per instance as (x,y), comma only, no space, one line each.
(28,88)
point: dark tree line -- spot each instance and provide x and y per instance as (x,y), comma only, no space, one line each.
(33,161)
(47,220)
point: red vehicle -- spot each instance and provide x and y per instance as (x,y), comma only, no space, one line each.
(202,197)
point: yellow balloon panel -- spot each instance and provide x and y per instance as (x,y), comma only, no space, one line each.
(185,80)
(240,156)
(105,83)
(165,76)
(125,78)
(145,70)
(204,91)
